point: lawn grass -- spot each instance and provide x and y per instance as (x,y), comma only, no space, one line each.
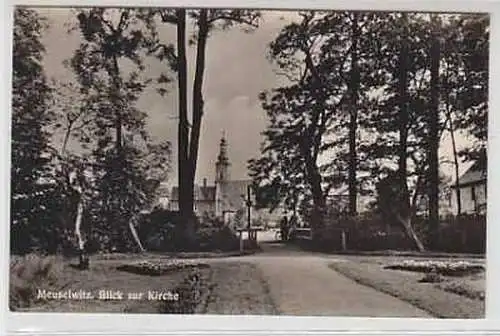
(472,287)
(405,286)
(221,287)
(104,275)
(239,288)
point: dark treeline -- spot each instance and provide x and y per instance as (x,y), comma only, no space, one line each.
(94,191)
(96,194)
(370,97)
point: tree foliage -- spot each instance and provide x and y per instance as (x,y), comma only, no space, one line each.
(205,22)
(127,165)
(360,99)
(30,169)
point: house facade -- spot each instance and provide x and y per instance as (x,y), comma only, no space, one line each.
(473,191)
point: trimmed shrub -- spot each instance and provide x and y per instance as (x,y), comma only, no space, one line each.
(217,239)
(464,234)
(162,231)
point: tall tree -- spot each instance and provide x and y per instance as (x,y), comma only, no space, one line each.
(185,204)
(30,116)
(73,119)
(300,114)
(278,180)
(433,139)
(353,122)
(352,42)
(471,100)
(403,120)
(464,87)
(124,153)
(451,85)
(398,122)
(205,21)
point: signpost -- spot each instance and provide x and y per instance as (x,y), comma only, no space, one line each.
(252,232)
(249,207)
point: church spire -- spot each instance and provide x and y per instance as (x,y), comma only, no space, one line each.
(222,164)
(223,149)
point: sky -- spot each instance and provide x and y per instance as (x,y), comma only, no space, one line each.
(237,70)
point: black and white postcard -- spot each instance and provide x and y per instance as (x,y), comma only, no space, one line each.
(241,161)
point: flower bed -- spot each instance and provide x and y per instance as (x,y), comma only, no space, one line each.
(156,269)
(447,268)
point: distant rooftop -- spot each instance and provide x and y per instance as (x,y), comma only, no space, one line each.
(474,175)
(201,193)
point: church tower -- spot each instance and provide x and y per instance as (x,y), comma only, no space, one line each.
(222,165)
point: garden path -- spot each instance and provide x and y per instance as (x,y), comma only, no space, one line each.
(301,283)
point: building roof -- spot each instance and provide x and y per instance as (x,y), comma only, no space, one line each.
(200,193)
(234,192)
(474,175)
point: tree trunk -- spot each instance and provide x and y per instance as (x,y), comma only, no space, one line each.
(67,134)
(190,145)
(78,224)
(185,208)
(310,151)
(319,204)
(82,250)
(133,231)
(354,88)
(192,158)
(118,123)
(404,201)
(198,95)
(456,162)
(406,223)
(433,140)
(410,232)
(413,204)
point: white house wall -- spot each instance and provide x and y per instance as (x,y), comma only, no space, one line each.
(467,202)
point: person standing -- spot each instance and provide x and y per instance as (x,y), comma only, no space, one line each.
(292,226)
(284,228)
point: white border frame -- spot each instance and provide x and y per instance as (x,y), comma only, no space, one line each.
(52,323)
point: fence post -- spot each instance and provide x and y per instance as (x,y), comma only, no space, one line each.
(464,238)
(344,240)
(241,241)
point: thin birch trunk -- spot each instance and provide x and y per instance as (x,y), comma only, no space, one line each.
(78,224)
(131,225)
